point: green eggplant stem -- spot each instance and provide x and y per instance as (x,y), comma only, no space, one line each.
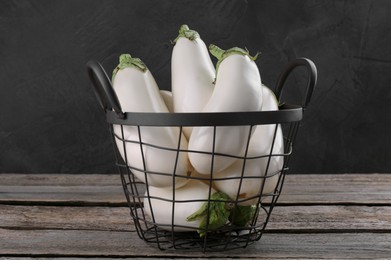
(216,51)
(184,31)
(221,54)
(216,210)
(127,61)
(221,210)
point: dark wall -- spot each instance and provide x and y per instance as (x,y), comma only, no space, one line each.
(50,120)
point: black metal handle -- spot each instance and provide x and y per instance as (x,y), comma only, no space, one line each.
(103,88)
(312,78)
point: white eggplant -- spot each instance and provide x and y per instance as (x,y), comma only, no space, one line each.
(263,134)
(238,88)
(261,143)
(167,98)
(188,199)
(137,91)
(192,73)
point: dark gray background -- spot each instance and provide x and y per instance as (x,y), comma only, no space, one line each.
(50,120)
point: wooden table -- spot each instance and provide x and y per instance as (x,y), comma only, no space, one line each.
(318,216)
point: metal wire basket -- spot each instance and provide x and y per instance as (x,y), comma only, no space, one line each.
(165,232)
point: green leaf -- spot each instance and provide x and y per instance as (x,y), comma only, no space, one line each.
(217,210)
(199,214)
(242,215)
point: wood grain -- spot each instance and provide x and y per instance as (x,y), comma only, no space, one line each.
(77,189)
(283,219)
(106,189)
(79,243)
(51,217)
(359,189)
(318,216)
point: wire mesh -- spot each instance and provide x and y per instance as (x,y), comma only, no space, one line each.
(165,186)
(163,232)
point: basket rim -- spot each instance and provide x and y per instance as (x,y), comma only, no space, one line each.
(287,114)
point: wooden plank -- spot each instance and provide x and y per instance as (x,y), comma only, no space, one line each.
(101,189)
(58,179)
(51,217)
(330,216)
(70,189)
(327,218)
(337,189)
(77,243)
(63,195)
(283,219)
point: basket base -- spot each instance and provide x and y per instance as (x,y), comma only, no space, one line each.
(192,242)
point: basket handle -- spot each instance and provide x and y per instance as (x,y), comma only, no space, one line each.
(312,78)
(103,89)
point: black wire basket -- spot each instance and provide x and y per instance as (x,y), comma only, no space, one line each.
(155,217)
